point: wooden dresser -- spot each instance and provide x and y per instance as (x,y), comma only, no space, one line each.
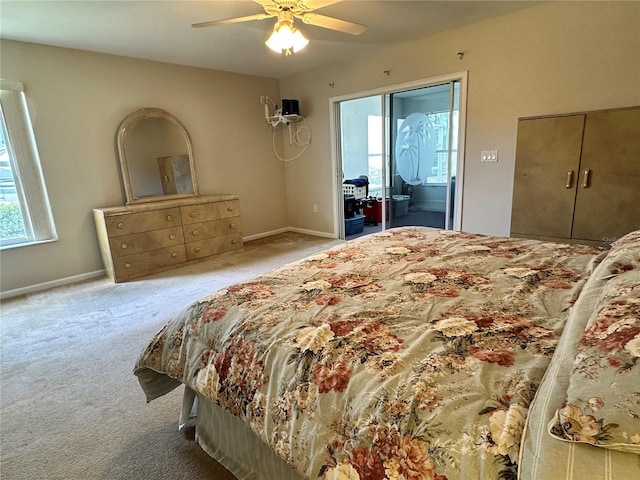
(141,239)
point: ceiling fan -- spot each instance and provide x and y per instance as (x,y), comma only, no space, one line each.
(285,37)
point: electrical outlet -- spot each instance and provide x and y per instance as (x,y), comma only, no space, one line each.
(489,156)
(315,208)
(263,100)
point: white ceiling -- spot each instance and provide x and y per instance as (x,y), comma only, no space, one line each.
(161,29)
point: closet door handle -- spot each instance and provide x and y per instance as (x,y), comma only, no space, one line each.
(585,178)
(569,179)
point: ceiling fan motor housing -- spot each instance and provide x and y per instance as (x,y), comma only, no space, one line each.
(294,6)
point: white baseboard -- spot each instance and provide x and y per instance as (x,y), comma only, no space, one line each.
(289,229)
(52,284)
(313,232)
(99,273)
(265,234)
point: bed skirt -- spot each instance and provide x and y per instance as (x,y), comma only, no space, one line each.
(230,442)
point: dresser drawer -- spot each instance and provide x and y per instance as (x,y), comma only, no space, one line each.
(142,222)
(213,246)
(216,228)
(142,239)
(144,263)
(210,211)
(142,242)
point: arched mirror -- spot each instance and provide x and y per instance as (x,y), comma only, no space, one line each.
(156,157)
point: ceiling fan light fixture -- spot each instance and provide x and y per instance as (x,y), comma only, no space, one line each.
(286,38)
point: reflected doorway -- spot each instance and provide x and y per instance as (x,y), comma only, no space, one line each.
(398,161)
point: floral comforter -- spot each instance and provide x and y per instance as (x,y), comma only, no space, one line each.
(409,354)
(602,402)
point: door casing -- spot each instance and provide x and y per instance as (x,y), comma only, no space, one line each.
(336,162)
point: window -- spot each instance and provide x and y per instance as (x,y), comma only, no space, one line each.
(25,214)
(439,121)
(440,124)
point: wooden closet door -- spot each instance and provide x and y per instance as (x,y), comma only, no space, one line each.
(547,161)
(608,204)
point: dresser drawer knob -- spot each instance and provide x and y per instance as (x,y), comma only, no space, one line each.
(174,255)
(230,209)
(169,218)
(193,214)
(234,241)
(128,265)
(120,225)
(194,233)
(172,237)
(197,249)
(123,245)
(232,226)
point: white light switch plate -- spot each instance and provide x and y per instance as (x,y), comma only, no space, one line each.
(489,156)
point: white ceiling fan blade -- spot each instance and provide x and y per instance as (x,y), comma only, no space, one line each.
(333,23)
(258,16)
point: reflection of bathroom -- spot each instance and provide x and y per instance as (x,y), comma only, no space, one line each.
(416,189)
(423,204)
(405,205)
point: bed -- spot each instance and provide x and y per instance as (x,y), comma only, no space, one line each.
(417,353)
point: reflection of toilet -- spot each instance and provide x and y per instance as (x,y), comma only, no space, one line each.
(409,190)
(400,205)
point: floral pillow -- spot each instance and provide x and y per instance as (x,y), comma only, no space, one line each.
(602,406)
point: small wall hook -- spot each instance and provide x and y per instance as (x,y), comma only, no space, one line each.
(387,72)
(460,55)
(332,84)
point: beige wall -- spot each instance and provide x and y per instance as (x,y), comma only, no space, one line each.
(555,58)
(77,100)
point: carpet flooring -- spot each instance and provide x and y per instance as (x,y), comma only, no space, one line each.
(70,406)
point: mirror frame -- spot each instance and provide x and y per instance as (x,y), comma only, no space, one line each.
(125,127)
